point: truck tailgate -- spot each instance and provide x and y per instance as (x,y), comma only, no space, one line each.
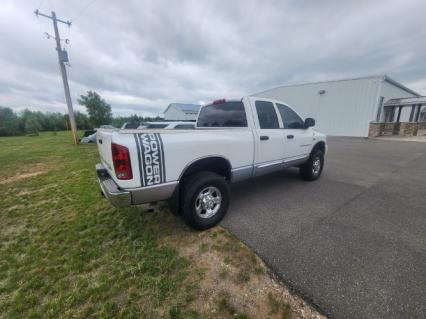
(104,138)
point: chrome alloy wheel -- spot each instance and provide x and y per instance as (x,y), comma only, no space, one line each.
(208,202)
(316,166)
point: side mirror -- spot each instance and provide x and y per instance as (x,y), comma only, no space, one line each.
(309,122)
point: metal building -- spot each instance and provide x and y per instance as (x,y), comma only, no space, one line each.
(342,107)
(181,112)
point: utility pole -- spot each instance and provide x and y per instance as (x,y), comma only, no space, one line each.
(62,58)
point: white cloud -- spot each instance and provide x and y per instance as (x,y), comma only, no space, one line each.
(142,55)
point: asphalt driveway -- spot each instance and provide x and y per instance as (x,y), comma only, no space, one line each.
(353,242)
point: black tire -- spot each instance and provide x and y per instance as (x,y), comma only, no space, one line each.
(174,202)
(192,189)
(308,171)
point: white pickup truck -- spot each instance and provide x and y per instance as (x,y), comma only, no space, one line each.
(192,169)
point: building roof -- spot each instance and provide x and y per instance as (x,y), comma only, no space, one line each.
(403,87)
(185,107)
(407,101)
(383,77)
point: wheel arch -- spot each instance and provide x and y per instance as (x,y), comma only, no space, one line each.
(216,164)
(319,146)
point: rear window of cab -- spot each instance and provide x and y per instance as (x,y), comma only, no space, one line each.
(226,114)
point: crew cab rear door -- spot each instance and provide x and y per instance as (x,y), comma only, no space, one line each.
(268,135)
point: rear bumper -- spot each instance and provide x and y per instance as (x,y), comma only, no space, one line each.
(110,189)
(135,196)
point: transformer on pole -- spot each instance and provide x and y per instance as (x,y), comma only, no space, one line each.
(63,59)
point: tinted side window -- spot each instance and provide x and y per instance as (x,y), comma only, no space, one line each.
(289,117)
(267,116)
(228,114)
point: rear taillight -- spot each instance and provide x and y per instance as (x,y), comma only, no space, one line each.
(121,160)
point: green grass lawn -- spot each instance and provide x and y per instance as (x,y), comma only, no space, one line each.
(66,252)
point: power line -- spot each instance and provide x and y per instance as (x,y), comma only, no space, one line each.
(62,58)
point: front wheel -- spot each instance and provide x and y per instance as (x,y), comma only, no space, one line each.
(205,200)
(312,169)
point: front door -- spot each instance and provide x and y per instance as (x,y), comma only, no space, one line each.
(298,139)
(269,135)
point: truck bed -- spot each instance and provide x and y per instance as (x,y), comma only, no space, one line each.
(168,152)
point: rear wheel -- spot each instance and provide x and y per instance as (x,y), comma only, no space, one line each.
(312,169)
(205,200)
(173,203)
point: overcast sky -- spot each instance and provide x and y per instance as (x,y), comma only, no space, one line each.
(142,55)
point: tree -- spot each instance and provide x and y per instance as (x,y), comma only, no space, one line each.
(9,122)
(32,122)
(32,125)
(82,120)
(120,120)
(99,111)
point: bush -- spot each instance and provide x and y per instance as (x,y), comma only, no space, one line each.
(32,126)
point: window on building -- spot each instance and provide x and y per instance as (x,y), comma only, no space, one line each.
(290,118)
(227,114)
(267,116)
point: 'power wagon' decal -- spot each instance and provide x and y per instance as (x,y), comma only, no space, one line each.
(151,158)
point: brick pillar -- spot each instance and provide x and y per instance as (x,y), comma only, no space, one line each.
(421,128)
(407,129)
(375,129)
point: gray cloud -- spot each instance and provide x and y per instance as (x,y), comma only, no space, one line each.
(142,55)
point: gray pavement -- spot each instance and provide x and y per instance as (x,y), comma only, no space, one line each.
(354,242)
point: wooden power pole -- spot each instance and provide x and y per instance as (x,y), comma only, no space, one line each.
(62,58)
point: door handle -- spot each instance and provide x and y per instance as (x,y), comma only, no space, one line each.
(290,136)
(264,138)
(100,141)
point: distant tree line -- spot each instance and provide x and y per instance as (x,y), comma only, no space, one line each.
(32,122)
